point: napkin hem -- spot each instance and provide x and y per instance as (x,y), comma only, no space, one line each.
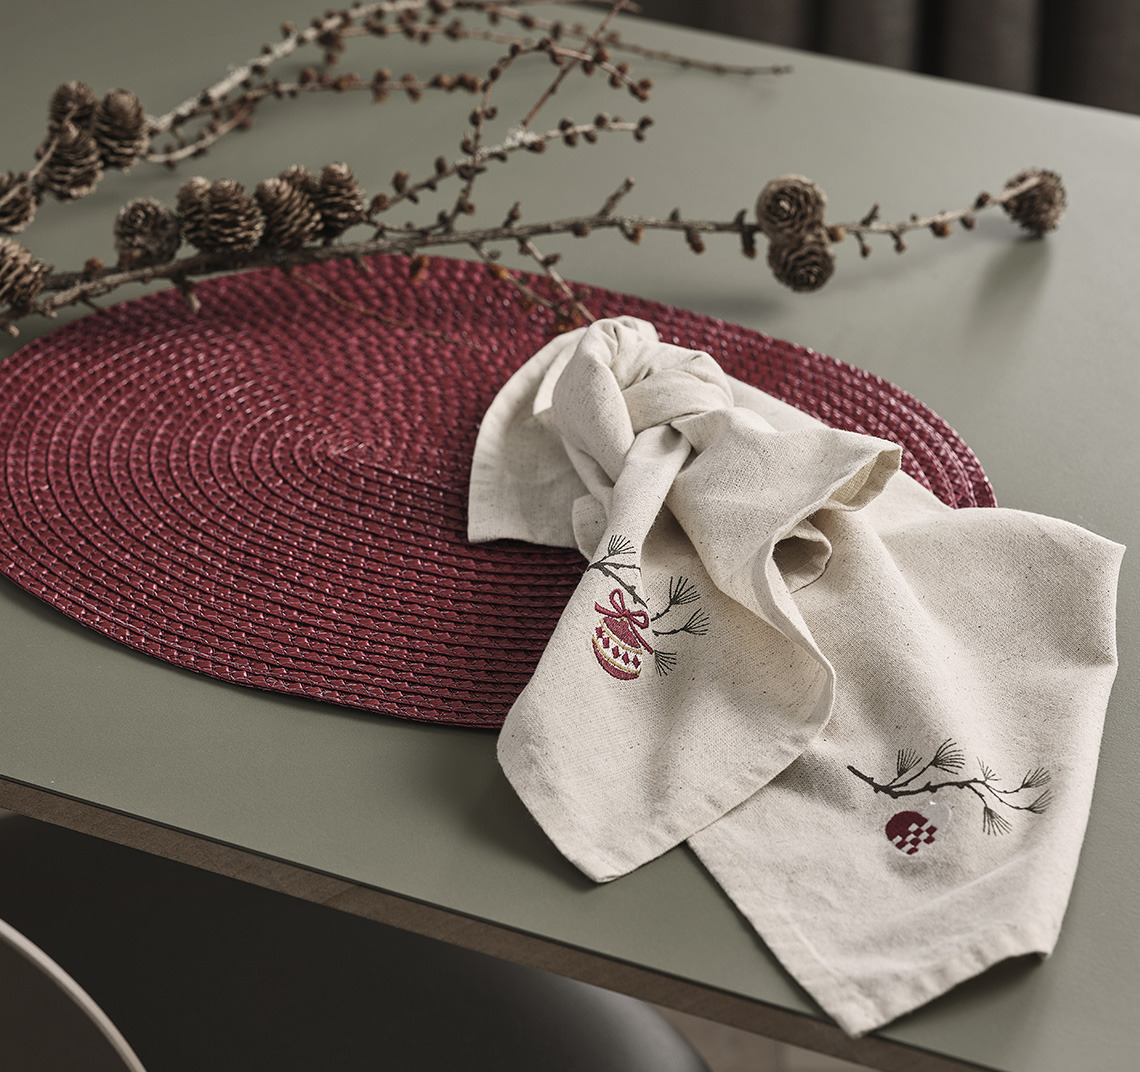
(556,812)
(859,1011)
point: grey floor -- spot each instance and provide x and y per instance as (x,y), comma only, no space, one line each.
(190,965)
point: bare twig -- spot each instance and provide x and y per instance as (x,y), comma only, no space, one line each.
(270,54)
(612,201)
(547,264)
(939,223)
(530,296)
(566,67)
(356,307)
(43,157)
(662,56)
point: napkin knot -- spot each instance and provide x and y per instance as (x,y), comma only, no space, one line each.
(621,380)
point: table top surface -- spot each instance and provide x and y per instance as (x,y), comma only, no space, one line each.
(1026,347)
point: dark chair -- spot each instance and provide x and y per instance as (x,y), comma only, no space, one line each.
(48,1022)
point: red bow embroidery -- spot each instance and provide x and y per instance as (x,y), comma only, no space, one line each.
(632,618)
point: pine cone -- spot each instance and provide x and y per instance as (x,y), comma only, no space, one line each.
(223,219)
(73,169)
(146,233)
(1041,207)
(790,205)
(802,261)
(291,218)
(192,209)
(340,200)
(303,179)
(17,203)
(119,128)
(21,275)
(74,98)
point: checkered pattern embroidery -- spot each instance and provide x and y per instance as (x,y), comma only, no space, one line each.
(908,831)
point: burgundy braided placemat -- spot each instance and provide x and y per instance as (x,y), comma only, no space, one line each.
(273,491)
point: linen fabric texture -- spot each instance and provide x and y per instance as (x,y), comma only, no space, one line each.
(874,718)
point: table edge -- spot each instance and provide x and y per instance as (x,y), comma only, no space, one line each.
(468,932)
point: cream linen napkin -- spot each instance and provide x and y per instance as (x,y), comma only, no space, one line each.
(874,718)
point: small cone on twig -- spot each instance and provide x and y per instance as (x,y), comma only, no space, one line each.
(790,205)
(146,233)
(192,209)
(218,217)
(233,223)
(1041,207)
(119,128)
(73,170)
(803,262)
(21,275)
(17,203)
(340,200)
(303,179)
(291,218)
(74,101)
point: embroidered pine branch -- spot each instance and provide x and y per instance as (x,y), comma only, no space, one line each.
(295,219)
(950,759)
(697,625)
(992,823)
(906,759)
(682,592)
(665,662)
(619,545)
(608,565)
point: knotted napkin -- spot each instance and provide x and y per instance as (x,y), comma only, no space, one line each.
(874,718)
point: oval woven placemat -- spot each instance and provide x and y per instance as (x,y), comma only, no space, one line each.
(272,491)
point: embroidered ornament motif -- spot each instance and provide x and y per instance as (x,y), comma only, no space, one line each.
(910,831)
(618,646)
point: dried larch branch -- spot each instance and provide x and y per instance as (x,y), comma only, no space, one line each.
(298,218)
